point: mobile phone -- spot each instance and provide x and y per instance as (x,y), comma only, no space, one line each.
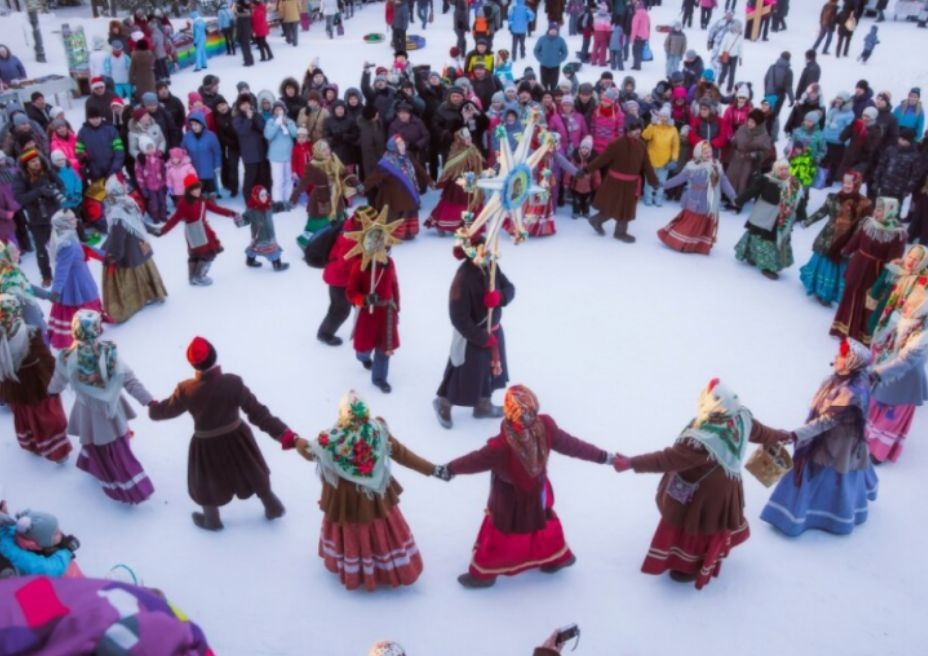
(567,633)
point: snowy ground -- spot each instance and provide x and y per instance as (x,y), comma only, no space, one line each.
(616,340)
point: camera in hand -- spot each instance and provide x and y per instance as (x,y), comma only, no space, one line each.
(567,634)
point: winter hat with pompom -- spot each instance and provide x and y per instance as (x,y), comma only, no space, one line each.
(58,157)
(38,527)
(587,142)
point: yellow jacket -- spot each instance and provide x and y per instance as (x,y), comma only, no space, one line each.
(663,144)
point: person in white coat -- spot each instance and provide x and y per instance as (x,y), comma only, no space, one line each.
(728,54)
(280,132)
(329,10)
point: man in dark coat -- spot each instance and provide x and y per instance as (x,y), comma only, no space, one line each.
(863,138)
(99,148)
(477,364)
(381,95)
(810,74)
(100,99)
(485,85)
(413,130)
(447,121)
(779,82)
(863,98)
(626,160)
(899,169)
(886,121)
(371,140)
(224,459)
(341,132)
(432,90)
(249,127)
(173,105)
(209,91)
(40,193)
(37,109)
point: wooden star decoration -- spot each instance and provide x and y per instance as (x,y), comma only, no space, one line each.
(373,238)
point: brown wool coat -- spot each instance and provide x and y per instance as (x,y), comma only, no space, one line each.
(392,192)
(319,203)
(142,72)
(718,504)
(750,150)
(344,503)
(618,199)
(34,374)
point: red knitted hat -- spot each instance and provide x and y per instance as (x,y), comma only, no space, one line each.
(139,113)
(190,181)
(201,354)
(97,82)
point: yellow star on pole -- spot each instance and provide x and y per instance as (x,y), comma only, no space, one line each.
(373,238)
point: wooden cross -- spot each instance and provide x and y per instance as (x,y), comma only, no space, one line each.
(760,10)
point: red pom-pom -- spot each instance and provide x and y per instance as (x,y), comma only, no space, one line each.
(845,347)
(198,351)
(713,383)
(492,299)
(191,180)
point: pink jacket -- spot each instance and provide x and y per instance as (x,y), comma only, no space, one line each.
(708,4)
(575,125)
(174,174)
(151,173)
(69,147)
(641,25)
(606,129)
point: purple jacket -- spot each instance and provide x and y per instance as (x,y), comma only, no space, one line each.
(576,128)
(73,282)
(8,207)
(150,173)
(695,199)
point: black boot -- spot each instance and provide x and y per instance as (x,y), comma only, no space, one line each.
(597,222)
(331,340)
(252,262)
(469,581)
(486,410)
(209,519)
(280,266)
(443,410)
(621,232)
(273,508)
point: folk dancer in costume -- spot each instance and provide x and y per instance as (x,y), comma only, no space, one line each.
(73,288)
(899,279)
(398,180)
(694,229)
(373,287)
(202,244)
(766,244)
(880,239)
(259,216)
(365,539)
(14,282)
(626,161)
(899,373)
(26,367)
(131,280)
(520,529)
(823,275)
(701,496)
(224,460)
(833,479)
(331,186)
(477,363)
(464,159)
(100,416)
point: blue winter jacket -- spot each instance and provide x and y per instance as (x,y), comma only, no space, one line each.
(519,17)
(28,563)
(73,187)
(836,119)
(911,117)
(225,18)
(199,29)
(250,133)
(11,69)
(102,148)
(871,39)
(204,151)
(550,51)
(279,139)
(617,38)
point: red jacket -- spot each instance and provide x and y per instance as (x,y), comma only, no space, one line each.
(191,213)
(338,269)
(513,507)
(712,131)
(259,19)
(301,156)
(377,328)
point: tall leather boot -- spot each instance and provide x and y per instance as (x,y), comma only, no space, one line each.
(209,519)
(597,221)
(621,232)
(273,507)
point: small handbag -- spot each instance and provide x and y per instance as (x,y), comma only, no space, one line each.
(725,58)
(769,463)
(684,491)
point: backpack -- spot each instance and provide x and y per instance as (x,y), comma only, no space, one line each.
(316,253)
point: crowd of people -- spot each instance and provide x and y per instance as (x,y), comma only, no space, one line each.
(144,161)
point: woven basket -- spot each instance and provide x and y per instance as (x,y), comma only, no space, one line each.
(769,463)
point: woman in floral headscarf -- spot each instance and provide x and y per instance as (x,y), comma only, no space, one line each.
(901,384)
(766,243)
(365,538)
(399,180)
(520,529)
(13,281)
(330,184)
(464,158)
(833,478)
(100,416)
(898,280)
(26,367)
(131,280)
(879,239)
(700,496)
(73,288)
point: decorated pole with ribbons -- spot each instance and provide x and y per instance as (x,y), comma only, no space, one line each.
(507,191)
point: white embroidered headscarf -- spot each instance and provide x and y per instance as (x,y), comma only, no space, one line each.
(64,230)
(722,426)
(14,337)
(121,208)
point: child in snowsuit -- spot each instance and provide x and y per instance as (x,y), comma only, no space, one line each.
(32,544)
(260,217)
(73,187)
(150,174)
(870,42)
(582,187)
(616,48)
(177,169)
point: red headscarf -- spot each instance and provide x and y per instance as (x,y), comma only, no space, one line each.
(255,202)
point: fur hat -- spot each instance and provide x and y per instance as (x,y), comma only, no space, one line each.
(200,353)
(871,112)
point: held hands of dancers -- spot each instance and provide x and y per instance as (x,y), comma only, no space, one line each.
(441,471)
(302,447)
(619,462)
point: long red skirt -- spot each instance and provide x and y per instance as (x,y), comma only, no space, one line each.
(42,428)
(409,228)
(382,552)
(698,555)
(59,322)
(689,232)
(887,428)
(507,554)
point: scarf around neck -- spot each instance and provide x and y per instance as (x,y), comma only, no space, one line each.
(401,168)
(357,452)
(724,437)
